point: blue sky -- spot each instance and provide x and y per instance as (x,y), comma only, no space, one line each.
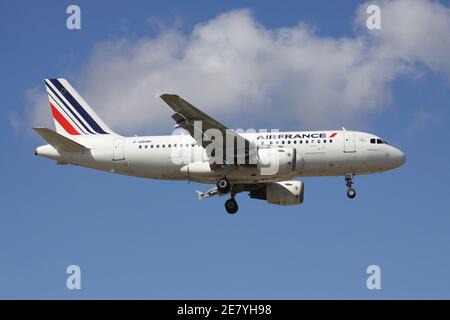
(145,239)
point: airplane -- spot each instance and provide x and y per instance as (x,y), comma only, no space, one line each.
(263,164)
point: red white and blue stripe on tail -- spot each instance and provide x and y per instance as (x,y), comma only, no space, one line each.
(72,115)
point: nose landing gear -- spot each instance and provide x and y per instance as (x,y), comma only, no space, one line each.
(351,193)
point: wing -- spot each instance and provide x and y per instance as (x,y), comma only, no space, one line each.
(199,126)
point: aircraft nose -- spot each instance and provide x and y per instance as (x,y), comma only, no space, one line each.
(399,156)
(403,157)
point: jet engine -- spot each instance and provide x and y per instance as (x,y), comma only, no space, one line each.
(283,193)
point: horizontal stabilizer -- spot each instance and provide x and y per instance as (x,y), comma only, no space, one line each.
(59,142)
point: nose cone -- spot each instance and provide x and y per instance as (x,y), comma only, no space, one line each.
(398,157)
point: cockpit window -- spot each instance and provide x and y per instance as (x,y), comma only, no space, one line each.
(378,141)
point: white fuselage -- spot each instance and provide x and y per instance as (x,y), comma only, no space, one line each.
(179,157)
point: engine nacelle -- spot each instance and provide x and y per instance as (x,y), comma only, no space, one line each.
(278,161)
(283,193)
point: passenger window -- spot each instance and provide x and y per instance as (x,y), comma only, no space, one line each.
(262,142)
(271,142)
(175,145)
(146,146)
(306,141)
(318,141)
(331,140)
(157,145)
(324,141)
(289,142)
(140,146)
(295,141)
(277,142)
(301,141)
(151,146)
(282,142)
(187,144)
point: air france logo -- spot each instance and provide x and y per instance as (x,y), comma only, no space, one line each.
(315,135)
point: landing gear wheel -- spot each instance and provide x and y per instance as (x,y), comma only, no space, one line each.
(223,185)
(231,206)
(351,193)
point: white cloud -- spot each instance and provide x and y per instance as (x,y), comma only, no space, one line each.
(420,120)
(415,32)
(38,109)
(245,74)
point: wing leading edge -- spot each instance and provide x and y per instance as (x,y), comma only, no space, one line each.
(199,126)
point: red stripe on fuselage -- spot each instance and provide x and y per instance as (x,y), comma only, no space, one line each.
(333,134)
(63,122)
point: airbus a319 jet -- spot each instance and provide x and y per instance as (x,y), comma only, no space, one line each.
(262,164)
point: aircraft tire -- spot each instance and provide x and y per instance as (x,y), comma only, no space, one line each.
(351,193)
(231,206)
(223,185)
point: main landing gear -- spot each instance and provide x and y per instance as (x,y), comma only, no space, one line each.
(224,187)
(231,206)
(351,193)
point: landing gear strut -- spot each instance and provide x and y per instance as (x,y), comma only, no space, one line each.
(351,193)
(223,185)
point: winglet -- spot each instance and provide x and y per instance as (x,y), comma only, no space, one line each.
(207,194)
(200,194)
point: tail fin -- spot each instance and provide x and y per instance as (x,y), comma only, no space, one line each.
(72,115)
